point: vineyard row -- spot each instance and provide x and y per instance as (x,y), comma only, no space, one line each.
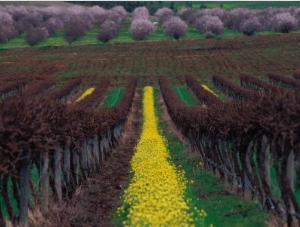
(243,141)
(66,143)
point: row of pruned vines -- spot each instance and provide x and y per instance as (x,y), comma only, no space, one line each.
(245,142)
(61,144)
(284,81)
(232,90)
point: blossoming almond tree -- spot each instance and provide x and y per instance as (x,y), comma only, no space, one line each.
(175,27)
(141,28)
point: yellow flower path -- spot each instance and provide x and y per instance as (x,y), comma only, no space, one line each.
(208,89)
(86,93)
(156,193)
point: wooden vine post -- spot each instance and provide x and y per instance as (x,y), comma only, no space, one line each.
(24,188)
(44,181)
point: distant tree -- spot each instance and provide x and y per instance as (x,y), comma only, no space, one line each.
(187,14)
(140,13)
(12,32)
(17,13)
(295,11)
(163,14)
(211,24)
(113,14)
(53,25)
(120,11)
(7,29)
(34,36)
(97,12)
(5,19)
(141,28)
(175,27)
(47,13)
(33,19)
(250,26)
(3,35)
(21,26)
(217,12)
(73,30)
(283,22)
(80,15)
(236,17)
(108,30)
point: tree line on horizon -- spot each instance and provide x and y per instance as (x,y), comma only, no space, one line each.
(37,24)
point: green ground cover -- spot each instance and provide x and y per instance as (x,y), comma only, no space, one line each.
(113,98)
(206,191)
(185,96)
(15,209)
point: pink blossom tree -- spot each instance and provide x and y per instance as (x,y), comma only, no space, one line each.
(141,28)
(7,29)
(97,12)
(250,26)
(211,24)
(73,30)
(283,22)
(140,13)
(175,27)
(237,16)
(53,25)
(163,14)
(108,30)
(34,36)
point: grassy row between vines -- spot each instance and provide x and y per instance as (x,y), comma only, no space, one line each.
(204,189)
(207,192)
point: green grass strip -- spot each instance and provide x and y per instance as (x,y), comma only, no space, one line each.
(113,98)
(124,37)
(185,96)
(206,191)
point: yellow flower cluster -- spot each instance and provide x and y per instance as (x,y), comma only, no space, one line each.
(155,196)
(86,93)
(208,89)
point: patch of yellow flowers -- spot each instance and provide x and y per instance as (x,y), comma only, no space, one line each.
(209,90)
(86,93)
(155,196)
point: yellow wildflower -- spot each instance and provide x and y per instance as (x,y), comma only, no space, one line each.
(156,193)
(208,89)
(86,93)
